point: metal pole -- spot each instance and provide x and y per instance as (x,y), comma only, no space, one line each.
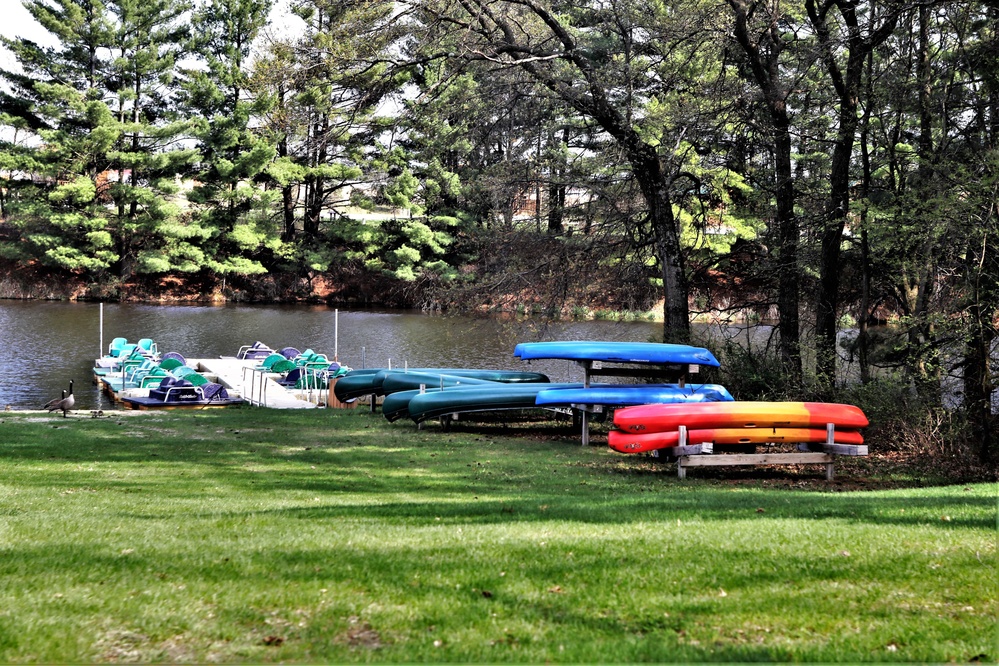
(587,365)
(100,352)
(336,335)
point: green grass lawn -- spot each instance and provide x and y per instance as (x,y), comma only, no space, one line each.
(259,535)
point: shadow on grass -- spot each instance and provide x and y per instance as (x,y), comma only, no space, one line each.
(511,543)
(475,477)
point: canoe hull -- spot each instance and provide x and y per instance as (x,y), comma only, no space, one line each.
(461,400)
(357,384)
(623,395)
(616,352)
(395,406)
(659,418)
(407,381)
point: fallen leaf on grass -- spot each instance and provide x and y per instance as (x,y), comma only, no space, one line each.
(364,636)
(555,589)
(360,634)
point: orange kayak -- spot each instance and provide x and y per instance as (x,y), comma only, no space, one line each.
(667,417)
(650,441)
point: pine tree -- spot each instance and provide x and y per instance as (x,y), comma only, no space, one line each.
(229,203)
(150,232)
(59,133)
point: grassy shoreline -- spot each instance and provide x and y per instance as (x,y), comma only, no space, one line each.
(259,535)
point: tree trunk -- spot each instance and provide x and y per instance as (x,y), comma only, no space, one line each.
(982,272)
(978,380)
(856,46)
(831,240)
(556,207)
(655,189)
(288,191)
(315,184)
(766,73)
(923,363)
(313,206)
(863,335)
(556,190)
(788,234)
(846,82)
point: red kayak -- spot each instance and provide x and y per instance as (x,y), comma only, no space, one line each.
(669,417)
(650,441)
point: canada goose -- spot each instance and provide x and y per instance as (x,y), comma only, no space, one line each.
(65,403)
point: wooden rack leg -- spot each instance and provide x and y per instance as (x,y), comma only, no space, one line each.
(681,471)
(830,440)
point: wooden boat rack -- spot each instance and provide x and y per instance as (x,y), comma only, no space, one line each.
(703,455)
(672,372)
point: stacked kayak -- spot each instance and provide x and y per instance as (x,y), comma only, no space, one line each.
(624,395)
(467,399)
(653,427)
(490,396)
(400,388)
(427,393)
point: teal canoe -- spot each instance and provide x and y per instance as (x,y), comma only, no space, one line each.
(356,384)
(395,406)
(504,376)
(461,400)
(405,381)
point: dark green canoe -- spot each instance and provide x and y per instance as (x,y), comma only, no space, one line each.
(407,381)
(395,406)
(504,376)
(356,384)
(461,399)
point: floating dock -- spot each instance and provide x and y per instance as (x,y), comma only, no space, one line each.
(257,387)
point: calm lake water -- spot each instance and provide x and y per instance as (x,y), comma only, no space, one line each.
(45,344)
